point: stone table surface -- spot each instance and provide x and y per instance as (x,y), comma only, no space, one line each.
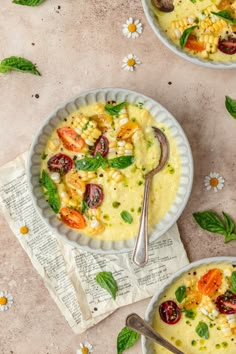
(79,45)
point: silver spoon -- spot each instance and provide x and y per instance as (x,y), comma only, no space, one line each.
(136,323)
(140,254)
(164,5)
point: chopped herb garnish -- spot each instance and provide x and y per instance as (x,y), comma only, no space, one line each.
(116,204)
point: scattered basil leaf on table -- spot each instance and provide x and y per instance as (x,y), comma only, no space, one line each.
(233,281)
(121,162)
(183,39)
(189,313)
(114,110)
(210,221)
(126,216)
(126,339)
(28,2)
(107,282)
(230,105)
(202,330)
(51,192)
(226,15)
(180,293)
(18,64)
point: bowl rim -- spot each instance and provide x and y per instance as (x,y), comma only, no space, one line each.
(172,278)
(46,123)
(184,55)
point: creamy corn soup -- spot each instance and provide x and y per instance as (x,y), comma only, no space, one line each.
(205,28)
(93,170)
(197,313)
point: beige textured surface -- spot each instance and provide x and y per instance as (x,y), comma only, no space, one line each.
(78,47)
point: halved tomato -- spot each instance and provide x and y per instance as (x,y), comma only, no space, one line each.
(226,303)
(210,282)
(169,312)
(127,130)
(93,195)
(72,218)
(101,146)
(73,180)
(60,163)
(227,45)
(192,299)
(193,44)
(70,139)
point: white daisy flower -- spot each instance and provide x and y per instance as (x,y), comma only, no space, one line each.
(132,29)
(130,62)
(85,348)
(214,181)
(6,300)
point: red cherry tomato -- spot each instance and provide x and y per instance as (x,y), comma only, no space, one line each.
(227,45)
(60,163)
(169,312)
(93,195)
(210,282)
(72,218)
(226,303)
(101,146)
(193,44)
(70,139)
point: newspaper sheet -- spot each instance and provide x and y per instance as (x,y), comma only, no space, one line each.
(69,273)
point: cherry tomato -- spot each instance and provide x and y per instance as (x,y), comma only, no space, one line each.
(74,181)
(102,146)
(72,218)
(193,44)
(169,312)
(127,130)
(192,299)
(225,5)
(226,303)
(93,195)
(70,139)
(210,282)
(227,45)
(60,163)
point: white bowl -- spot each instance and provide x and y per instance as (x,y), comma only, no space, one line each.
(38,146)
(153,21)
(147,344)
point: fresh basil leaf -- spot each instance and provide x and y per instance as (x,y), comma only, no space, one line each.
(126,339)
(126,216)
(28,2)
(229,223)
(233,281)
(18,64)
(230,237)
(183,39)
(226,15)
(84,207)
(121,162)
(114,110)
(90,163)
(107,282)
(202,330)
(189,313)
(230,105)
(208,220)
(51,192)
(180,293)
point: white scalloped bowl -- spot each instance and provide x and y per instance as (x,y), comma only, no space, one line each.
(147,344)
(34,161)
(153,22)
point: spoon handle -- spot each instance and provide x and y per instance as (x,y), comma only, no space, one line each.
(140,254)
(136,323)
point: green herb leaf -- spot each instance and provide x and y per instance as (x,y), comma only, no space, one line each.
(183,39)
(121,162)
(226,15)
(230,105)
(230,237)
(208,220)
(44,156)
(84,207)
(107,282)
(202,330)
(51,192)
(189,313)
(28,2)
(116,205)
(18,64)
(114,110)
(90,163)
(193,1)
(180,293)
(229,223)
(126,339)
(126,216)
(233,281)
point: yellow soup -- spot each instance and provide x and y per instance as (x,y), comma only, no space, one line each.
(93,170)
(205,28)
(200,308)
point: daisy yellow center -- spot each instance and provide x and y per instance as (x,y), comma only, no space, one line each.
(214,182)
(85,350)
(131,62)
(3,301)
(24,230)
(132,28)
